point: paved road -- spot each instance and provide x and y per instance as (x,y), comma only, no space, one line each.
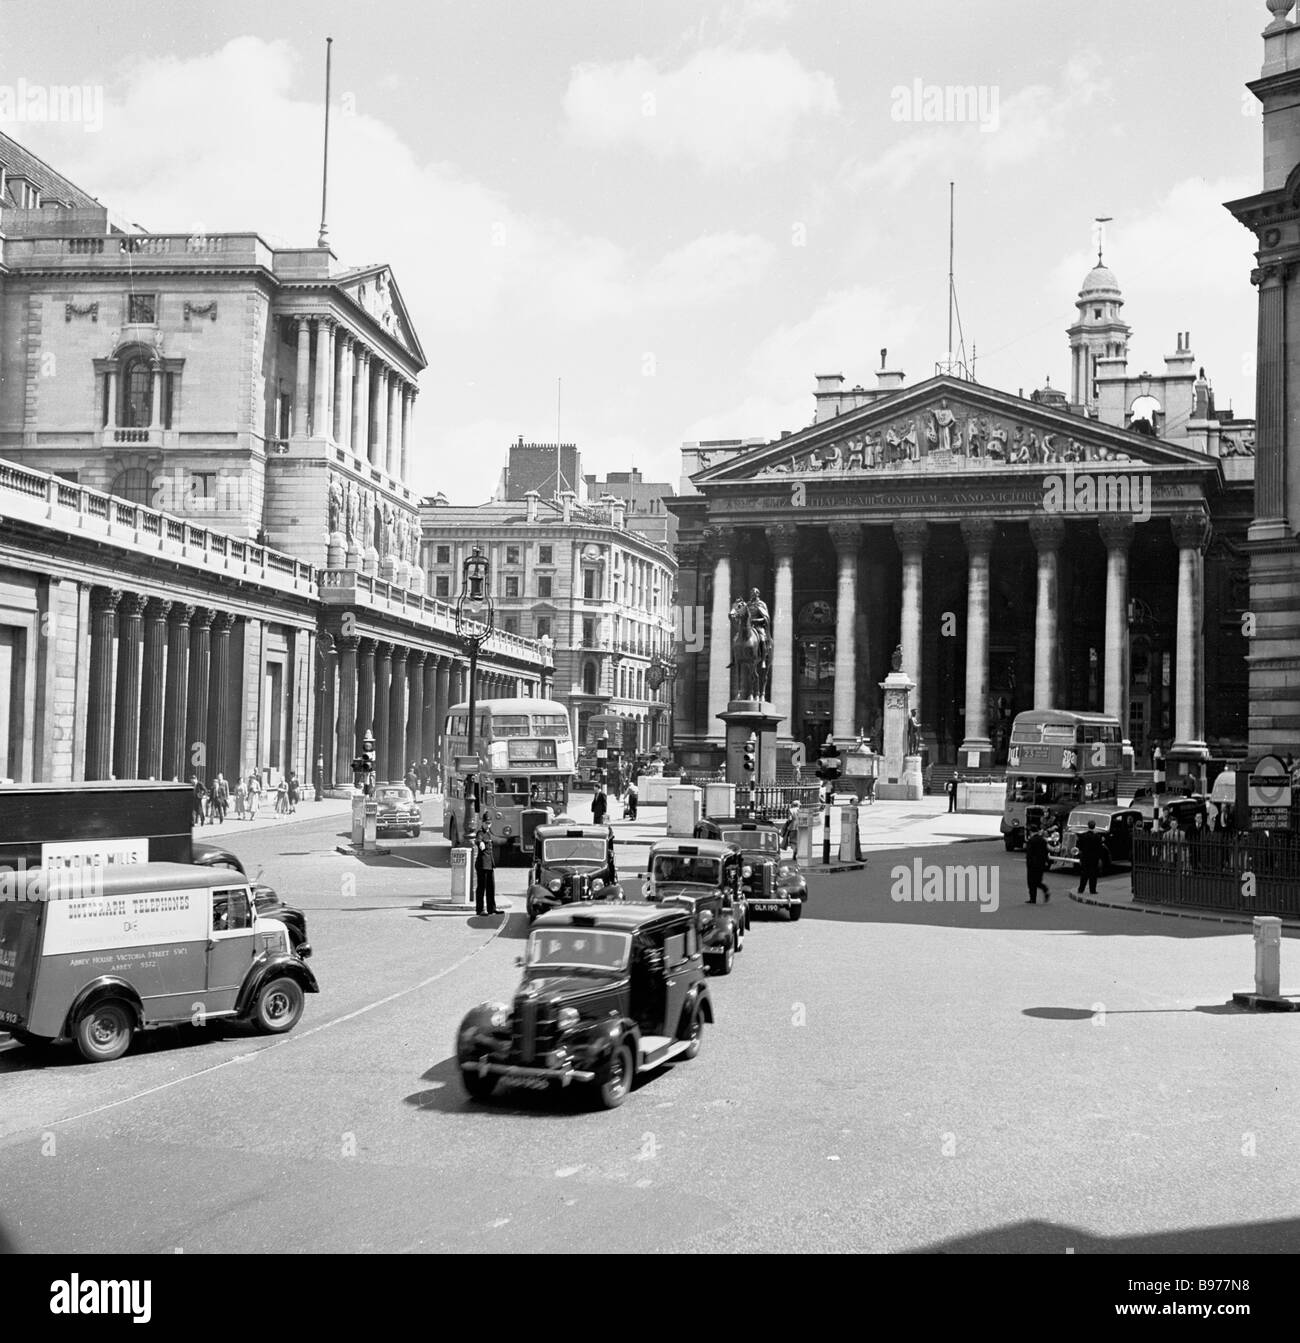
(884,1075)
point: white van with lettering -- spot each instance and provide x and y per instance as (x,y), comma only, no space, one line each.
(150,944)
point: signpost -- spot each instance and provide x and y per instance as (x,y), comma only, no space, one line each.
(1268,795)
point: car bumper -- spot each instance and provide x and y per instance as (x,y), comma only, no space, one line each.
(563,1074)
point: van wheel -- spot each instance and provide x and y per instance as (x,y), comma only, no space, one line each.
(279,1006)
(615,1079)
(103,1032)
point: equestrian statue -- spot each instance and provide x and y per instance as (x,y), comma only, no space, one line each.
(751,647)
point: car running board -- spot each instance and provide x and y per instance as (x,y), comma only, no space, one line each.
(657,1049)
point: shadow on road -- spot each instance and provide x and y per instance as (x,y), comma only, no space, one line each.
(1228,1009)
(1277,1237)
(445,1094)
(160,1040)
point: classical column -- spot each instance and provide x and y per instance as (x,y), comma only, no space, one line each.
(846,537)
(783,540)
(302,381)
(196,723)
(175,754)
(408,417)
(110,419)
(394,423)
(415,706)
(361,400)
(99,710)
(153,690)
(155,397)
(323,728)
(1117,533)
(429,710)
(1191,535)
(126,731)
(719,544)
(345,728)
(220,704)
(978,534)
(379,453)
(324,362)
(912,534)
(1048,531)
(442,702)
(383,688)
(397,757)
(365,690)
(347,376)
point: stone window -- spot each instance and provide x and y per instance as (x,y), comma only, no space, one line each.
(512,585)
(443,555)
(545,555)
(512,554)
(137,394)
(442,586)
(544,586)
(134,485)
(589,678)
(543,627)
(510,624)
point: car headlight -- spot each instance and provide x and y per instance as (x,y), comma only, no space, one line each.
(597,884)
(554,885)
(746,871)
(567,1019)
(498,1014)
(505,830)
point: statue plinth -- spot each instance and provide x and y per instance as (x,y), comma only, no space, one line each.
(900,776)
(759,716)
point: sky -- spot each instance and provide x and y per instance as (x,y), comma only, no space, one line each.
(654,222)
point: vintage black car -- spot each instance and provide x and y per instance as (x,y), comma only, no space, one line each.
(770,881)
(397,811)
(572,863)
(267,901)
(1116,826)
(610,991)
(704,875)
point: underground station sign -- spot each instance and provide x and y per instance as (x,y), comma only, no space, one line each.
(1269,795)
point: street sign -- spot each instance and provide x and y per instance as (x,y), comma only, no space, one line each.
(467,764)
(1269,795)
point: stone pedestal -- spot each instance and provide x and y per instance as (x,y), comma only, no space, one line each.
(743,716)
(900,776)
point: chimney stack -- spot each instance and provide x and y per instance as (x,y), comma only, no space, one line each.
(566,500)
(531,499)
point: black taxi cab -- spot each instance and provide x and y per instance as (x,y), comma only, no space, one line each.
(609,992)
(572,863)
(1116,826)
(770,881)
(703,876)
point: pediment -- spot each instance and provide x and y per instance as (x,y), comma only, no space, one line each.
(946,425)
(375,291)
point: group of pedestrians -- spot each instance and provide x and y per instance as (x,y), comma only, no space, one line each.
(1091,848)
(600,804)
(419,775)
(213,803)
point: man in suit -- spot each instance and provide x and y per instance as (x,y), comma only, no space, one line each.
(952,793)
(1036,865)
(1091,848)
(485,884)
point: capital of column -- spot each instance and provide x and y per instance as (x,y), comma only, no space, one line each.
(911,534)
(184,613)
(105,599)
(383,649)
(1116,531)
(302,319)
(845,536)
(716,542)
(346,643)
(133,604)
(367,646)
(1047,531)
(400,653)
(783,539)
(159,609)
(978,533)
(1191,530)
(223,622)
(417,657)
(203,617)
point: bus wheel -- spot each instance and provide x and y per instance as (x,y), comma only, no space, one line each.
(103,1032)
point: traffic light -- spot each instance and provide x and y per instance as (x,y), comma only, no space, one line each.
(829,764)
(749,759)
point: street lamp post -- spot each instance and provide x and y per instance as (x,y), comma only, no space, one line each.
(474,626)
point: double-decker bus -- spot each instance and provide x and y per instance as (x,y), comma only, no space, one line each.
(1057,760)
(525,768)
(622,749)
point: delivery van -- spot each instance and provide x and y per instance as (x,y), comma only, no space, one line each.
(144,945)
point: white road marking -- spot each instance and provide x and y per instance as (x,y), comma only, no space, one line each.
(258,1053)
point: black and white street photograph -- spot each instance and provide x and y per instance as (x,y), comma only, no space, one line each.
(650,629)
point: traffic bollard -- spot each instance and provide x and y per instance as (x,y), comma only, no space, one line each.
(1268,957)
(826,836)
(849,851)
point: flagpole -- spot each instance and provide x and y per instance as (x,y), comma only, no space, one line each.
(323,239)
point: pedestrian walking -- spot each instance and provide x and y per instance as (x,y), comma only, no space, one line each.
(1091,850)
(282,797)
(254,796)
(599,806)
(1036,857)
(629,803)
(485,881)
(241,793)
(295,793)
(425,775)
(952,793)
(412,780)
(220,799)
(200,796)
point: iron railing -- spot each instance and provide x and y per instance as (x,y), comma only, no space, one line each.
(1250,873)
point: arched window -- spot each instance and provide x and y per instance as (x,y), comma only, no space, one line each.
(132,484)
(589,678)
(137,393)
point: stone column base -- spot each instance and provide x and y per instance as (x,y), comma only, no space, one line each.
(910,786)
(975,753)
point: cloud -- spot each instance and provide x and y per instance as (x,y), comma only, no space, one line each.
(723,109)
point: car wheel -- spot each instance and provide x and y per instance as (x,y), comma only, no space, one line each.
(740,935)
(694,1033)
(796,910)
(279,1006)
(479,1087)
(104,1031)
(615,1079)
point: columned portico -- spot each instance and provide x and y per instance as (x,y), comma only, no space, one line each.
(175,753)
(1048,532)
(196,723)
(846,537)
(912,535)
(126,733)
(976,749)
(1191,532)
(99,711)
(345,740)
(302,379)
(719,633)
(397,715)
(784,541)
(361,403)
(153,691)
(324,368)
(1117,535)
(365,689)
(383,687)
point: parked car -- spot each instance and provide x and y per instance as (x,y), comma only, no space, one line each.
(572,863)
(769,881)
(397,811)
(267,902)
(609,992)
(703,875)
(1116,825)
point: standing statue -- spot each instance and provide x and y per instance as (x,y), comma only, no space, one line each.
(751,644)
(354,514)
(944,420)
(913,733)
(335,504)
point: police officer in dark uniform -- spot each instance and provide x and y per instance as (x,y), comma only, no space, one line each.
(485,881)
(1091,847)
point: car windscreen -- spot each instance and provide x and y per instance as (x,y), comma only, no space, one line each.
(589,948)
(678,867)
(394,795)
(573,851)
(754,841)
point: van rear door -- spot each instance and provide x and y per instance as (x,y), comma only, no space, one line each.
(21,926)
